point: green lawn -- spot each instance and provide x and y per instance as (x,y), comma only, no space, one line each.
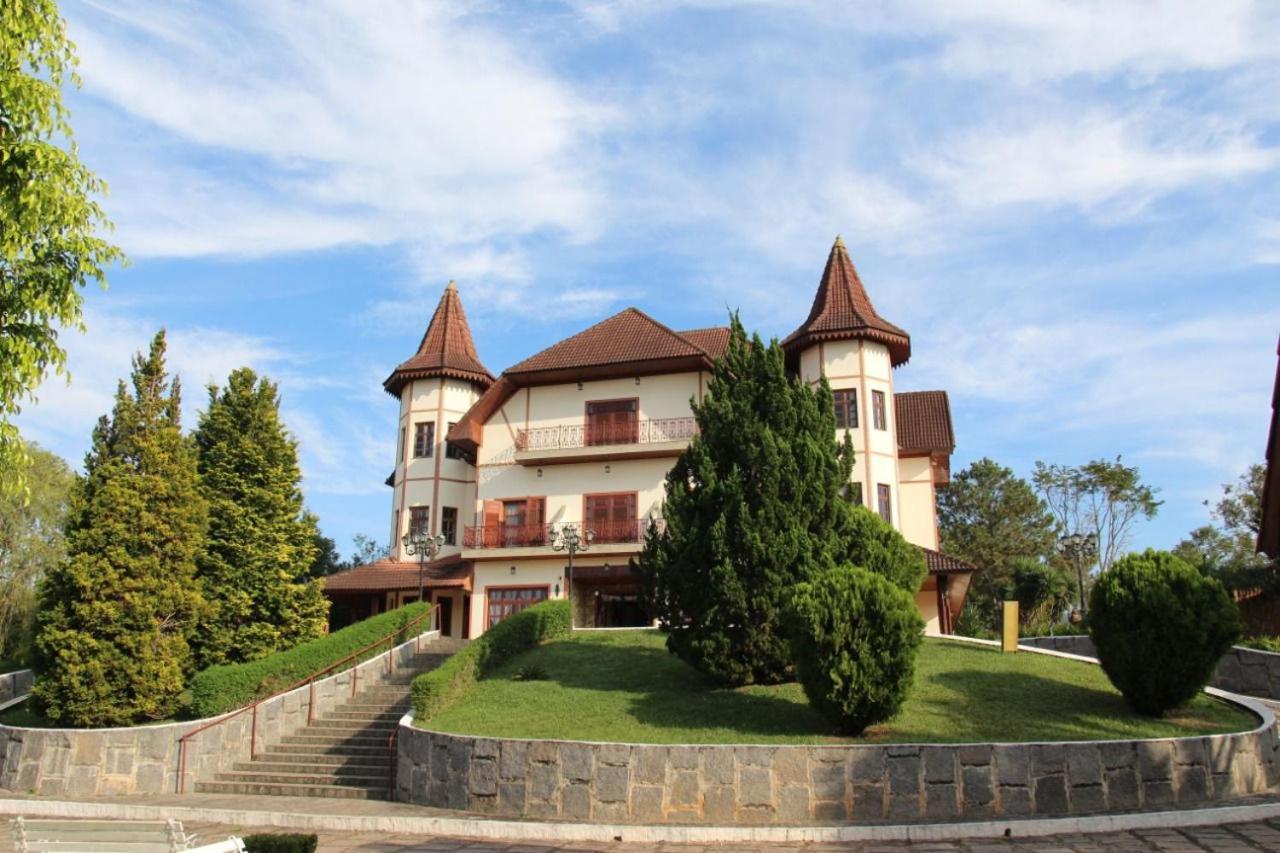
(625,686)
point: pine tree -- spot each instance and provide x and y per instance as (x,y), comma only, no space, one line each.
(115,615)
(753,506)
(255,569)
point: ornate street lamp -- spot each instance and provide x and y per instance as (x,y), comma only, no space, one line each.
(568,539)
(418,543)
(1080,549)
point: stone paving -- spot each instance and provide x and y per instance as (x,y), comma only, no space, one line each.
(1226,838)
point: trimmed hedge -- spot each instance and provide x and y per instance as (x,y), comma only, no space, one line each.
(228,686)
(435,690)
(293,842)
(867,540)
(1160,627)
(854,638)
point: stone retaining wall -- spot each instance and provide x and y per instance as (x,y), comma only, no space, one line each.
(1250,672)
(12,684)
(144,759)
(642,783)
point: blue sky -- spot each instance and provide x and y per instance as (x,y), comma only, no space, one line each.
(1074,209)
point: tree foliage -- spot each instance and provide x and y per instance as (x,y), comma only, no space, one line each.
(256,564)
(115,615)
(1160,627)
(854,635)
(1101,497)
(862,538)
(49,243)
(31,543)
(1228,550)
(753,507)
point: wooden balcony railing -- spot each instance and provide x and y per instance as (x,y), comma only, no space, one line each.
(534,535)
(607,433)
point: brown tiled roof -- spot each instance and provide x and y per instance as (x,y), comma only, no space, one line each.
(1269,532)
(842,310)
(713,341)
(923,419)
(940,564)
(447,349)
(390,574)
(628,336)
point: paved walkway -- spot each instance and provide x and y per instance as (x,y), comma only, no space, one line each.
(1230,838)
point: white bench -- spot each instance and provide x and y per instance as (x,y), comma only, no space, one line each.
(111,836)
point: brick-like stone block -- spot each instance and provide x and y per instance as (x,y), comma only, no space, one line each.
(511,798)
(1191,783)
(576,761)
(513,760)
(939,765)
(830,810)
(717,766)
(646,803)
(484,777)
(1084,764)
(649,764)
(683,757)
(755,786)
(575,802)
(151,778)
(904,776)
(1048,760)
(867,764)
(976,786)
(974,755)
(484,748)
(1013,766)
(718,804)
(1155,760)
(941,801)
(792,767)
(88,748)
(1013,800)
(1050,795)
(1118,754)
(544,752)
(608,812)
(611,783)
(1088,799)
(793,804)
(483,805)
(1157,792)
(1191,751)
(868,802)
(684,790)
(1124,791)
(544,781)
(905,807)
(828,781)
(761,756)
(613,754)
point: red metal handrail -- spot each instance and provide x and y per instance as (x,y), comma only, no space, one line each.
(433,614)
(607,432)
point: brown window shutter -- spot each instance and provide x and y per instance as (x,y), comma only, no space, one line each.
(492,524)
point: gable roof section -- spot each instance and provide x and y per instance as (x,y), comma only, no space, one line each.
(842,310)
(447,349)
(628,337)
(388,574)
(940,564)
(923,421)
(713,341)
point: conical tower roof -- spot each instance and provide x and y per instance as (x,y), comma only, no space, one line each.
(842,310)
(447,349)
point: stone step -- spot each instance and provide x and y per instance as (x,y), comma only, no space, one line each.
(346,712)
(261,765)
(371,779)
(305,759)
(339,741)
(342,733)
(380,723)
(322,749)
(377,708)
(273,789)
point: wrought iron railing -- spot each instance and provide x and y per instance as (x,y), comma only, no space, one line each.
(534,535)
(607,433)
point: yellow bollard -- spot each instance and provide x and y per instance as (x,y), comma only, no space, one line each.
(1009,630)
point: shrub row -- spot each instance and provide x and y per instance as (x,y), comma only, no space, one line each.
(227,686)
(433,691)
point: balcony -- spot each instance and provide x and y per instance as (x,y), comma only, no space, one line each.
(641,438)
(626,535)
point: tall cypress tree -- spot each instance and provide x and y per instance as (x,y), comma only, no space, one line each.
(256,563)
(114,616)
(753,506)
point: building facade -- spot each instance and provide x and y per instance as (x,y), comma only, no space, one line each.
(581,435)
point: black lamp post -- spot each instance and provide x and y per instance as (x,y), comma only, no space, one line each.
(570,540)
(419,544)
(1080,549)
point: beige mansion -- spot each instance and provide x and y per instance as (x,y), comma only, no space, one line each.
(583,433)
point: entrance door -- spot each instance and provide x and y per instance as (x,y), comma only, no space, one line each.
(446,617)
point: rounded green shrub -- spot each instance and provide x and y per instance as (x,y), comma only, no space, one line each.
(1160,628)
(854,638)
(865,539)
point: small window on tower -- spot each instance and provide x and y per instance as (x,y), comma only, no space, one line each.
(877,409)
(885,506)
(420,520)
(424,439)
(449,524)
(451,452)
(846,409)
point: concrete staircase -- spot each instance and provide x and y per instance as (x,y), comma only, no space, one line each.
(342,753)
